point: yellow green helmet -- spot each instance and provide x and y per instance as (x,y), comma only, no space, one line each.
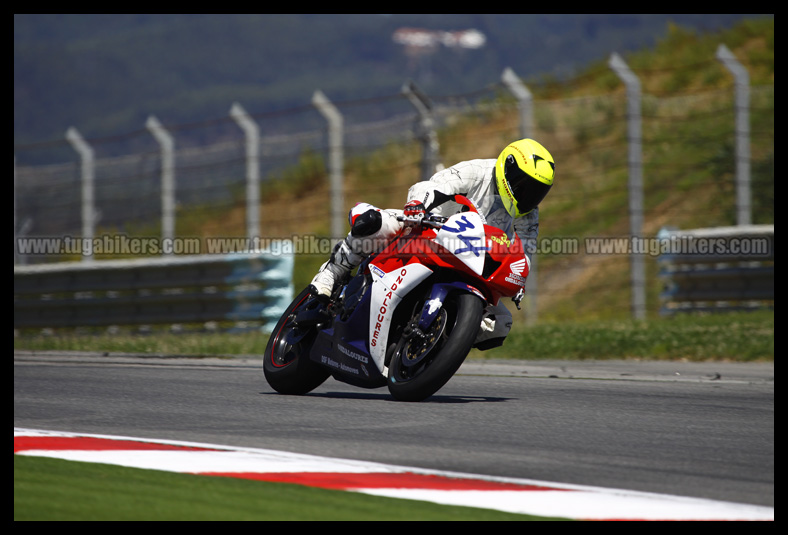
(523,174)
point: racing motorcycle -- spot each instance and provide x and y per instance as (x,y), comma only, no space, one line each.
(408,317)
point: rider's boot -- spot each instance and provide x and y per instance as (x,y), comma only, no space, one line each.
(370,230)
(342,261)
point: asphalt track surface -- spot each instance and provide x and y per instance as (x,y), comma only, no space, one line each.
(688,429)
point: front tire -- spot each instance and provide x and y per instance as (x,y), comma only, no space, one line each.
(286,363)
(420,366)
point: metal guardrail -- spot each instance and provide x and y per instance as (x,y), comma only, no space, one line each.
(253,288)
(716,269)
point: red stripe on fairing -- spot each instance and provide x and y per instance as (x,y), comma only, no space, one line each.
(93,444)
(339,480)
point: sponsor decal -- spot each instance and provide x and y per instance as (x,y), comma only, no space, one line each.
(352,354)
(501,240)
(387,293)
(518,267)
(328,361)
(363,360)
(385,307)
(516,277)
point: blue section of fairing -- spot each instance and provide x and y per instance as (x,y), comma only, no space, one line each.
(344,347)
(437,296)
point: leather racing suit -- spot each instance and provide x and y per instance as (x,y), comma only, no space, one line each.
(373,228)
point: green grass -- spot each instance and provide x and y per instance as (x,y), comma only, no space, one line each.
(740,336)
(53,489)
(213,344)
(734,336)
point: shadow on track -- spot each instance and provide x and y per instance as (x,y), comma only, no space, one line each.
(369,396)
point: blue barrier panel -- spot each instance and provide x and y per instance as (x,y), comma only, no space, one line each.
(717,269)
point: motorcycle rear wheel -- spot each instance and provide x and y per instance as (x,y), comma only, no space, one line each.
(422,366)
(286,363)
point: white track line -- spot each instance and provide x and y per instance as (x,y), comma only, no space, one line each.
(549,499)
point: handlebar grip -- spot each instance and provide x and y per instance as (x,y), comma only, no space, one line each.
(429,220)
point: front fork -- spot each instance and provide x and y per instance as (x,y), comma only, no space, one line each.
(435,302)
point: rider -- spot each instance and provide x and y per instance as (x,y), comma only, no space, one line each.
(511,186)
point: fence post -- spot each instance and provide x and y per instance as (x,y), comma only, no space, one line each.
(15,239)
(635,158)
(16,236)
(742,81)
(426,129)
(525,106)
(525,101)
(88,199)
(252,132)
(167,178)
(335,162)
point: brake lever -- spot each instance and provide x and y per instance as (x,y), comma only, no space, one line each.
(519,297)
(428,220)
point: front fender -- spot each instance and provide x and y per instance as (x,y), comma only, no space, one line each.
(387,292)
(438,296)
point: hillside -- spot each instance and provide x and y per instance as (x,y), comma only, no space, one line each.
(105,73)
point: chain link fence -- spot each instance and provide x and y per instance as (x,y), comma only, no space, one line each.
(688,162)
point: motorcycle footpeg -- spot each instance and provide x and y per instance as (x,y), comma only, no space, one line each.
(311,316)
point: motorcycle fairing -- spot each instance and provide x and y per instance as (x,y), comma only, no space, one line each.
(463,236)
(340,348)
(387,292)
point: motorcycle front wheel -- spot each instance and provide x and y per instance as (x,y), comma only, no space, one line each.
(422,364)
(286,363)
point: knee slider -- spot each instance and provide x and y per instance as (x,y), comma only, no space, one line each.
(366,224)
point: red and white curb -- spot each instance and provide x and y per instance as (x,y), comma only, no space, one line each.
(505,494)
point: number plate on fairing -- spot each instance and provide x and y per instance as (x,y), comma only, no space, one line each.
(463,236)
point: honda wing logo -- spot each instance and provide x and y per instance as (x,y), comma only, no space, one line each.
(516,276)
(518,267)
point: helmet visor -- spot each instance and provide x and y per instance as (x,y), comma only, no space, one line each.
(528,192)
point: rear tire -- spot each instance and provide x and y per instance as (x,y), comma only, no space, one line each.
(421,366)
(286,365)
